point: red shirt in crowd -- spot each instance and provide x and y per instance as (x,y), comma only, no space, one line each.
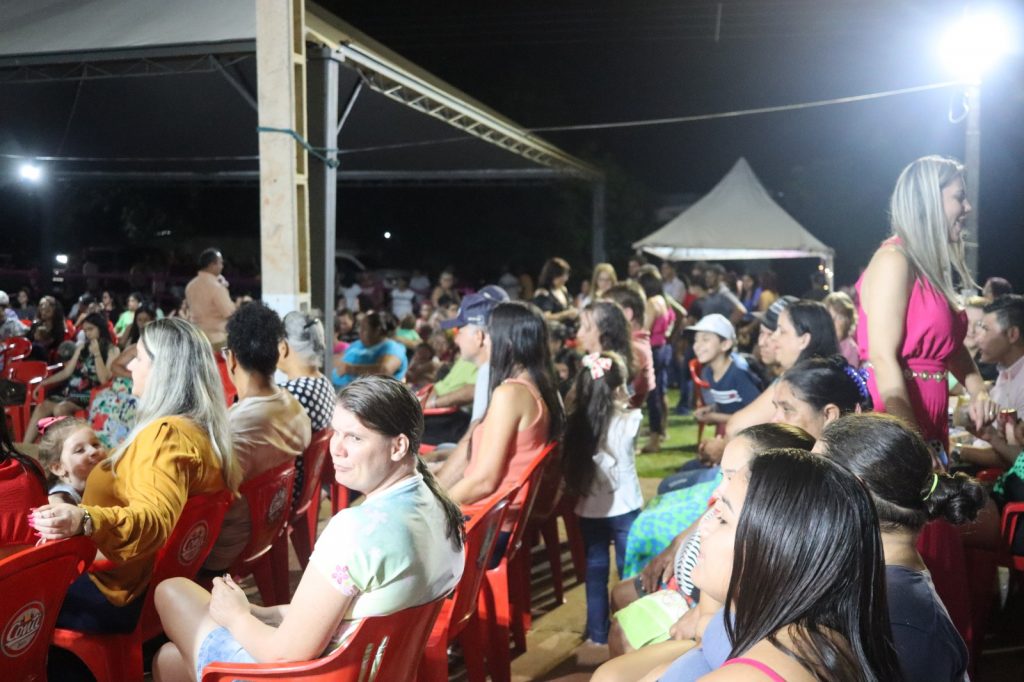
(643,367)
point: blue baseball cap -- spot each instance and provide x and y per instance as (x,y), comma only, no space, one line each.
(476,308)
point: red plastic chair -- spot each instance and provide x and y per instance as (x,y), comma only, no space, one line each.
(266,555)
(566,510)
(306,513)
(33,583)
(118,658)
(230,392)
(16,348)
(457,620)
(1013,512)
(341,497)
(501,604)
(31,373)
(385,648)
(698,396)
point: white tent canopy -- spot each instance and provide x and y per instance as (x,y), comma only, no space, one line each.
(737,220)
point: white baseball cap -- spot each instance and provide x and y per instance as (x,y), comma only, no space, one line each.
(716,324)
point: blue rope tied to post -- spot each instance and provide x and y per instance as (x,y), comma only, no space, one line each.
(318,152)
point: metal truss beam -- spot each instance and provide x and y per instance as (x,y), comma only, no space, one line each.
(133,68)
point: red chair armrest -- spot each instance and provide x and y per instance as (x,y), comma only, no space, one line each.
(1012,514)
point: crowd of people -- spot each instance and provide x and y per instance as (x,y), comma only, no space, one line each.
(796,543)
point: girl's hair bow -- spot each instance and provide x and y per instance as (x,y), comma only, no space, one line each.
(597,365)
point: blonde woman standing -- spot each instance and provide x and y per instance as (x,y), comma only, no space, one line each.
(911,327)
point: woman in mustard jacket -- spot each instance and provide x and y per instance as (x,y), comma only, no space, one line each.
(180,447)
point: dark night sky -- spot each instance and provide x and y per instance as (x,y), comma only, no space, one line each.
(569,62)
(557,63)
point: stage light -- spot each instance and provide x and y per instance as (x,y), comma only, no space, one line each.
(387,235)
(61,258)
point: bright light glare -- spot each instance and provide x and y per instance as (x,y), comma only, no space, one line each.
(975,43)
(387,235)
(30,172)
(61,258)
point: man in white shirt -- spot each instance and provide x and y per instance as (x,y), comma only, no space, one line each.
(1000,339)
(209,302)
(671,284)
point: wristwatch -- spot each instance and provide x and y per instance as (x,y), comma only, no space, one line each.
(86,524)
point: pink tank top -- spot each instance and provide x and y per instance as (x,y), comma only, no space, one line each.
(660,327)
(757,665)
(524,449)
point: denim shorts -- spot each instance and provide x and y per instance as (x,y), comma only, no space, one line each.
(219,645)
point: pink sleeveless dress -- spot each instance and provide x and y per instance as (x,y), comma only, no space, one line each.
(524,449)
(933,333)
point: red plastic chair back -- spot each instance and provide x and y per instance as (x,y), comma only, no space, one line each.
(230,392)
(530,486)
(33,583)
(16,348)
(481,534)
(186,549)
(1013,513)
(265,556)
(458,615)
(269,496)
(30,373)
(313,460)
(119,657)
(26,371)
(306,512)
(382,649)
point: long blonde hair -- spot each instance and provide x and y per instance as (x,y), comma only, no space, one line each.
(184,382)
(918,218)
(607,268)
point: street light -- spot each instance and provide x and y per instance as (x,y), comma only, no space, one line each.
(30,172)
(970,48)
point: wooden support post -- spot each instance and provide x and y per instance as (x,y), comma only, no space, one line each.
(284,200)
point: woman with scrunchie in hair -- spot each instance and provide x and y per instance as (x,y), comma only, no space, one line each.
(895,465)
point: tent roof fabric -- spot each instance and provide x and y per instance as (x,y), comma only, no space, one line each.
(60,27)
(203,124)
(737,220)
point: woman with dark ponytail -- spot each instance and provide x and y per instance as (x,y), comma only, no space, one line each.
(895,465)
(817,391)
(402,547)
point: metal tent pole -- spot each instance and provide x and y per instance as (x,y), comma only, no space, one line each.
(323,189)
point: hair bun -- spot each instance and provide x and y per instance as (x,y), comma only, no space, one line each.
(958,498)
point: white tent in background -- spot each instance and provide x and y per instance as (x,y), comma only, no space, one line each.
(737,220)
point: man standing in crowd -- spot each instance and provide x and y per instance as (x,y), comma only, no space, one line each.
(719,299)
(209,301)
(672,285)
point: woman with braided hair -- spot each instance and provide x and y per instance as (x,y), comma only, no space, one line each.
(402,547)
(894,463)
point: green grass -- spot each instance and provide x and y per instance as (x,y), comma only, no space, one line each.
(678,447)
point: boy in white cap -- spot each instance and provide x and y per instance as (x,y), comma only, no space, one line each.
(732,387)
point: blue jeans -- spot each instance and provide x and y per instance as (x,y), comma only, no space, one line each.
(597,535)
(656,398)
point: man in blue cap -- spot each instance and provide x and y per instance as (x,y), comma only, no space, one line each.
(474,346)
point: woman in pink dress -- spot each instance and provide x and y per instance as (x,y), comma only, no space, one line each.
(912,327)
